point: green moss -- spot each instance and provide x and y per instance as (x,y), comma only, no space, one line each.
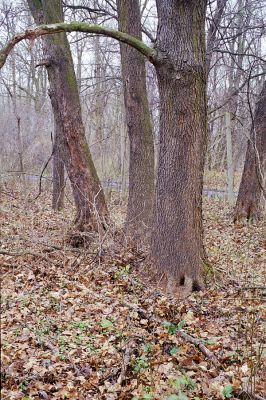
(79,27)
(208,269)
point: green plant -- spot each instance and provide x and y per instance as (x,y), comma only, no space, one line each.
(124,271)
(24,301)
(227,392)
(23,385)
(147,348)
(17,332)
(147,396)
(79,339)
(107,324)
(139,364)
(62,347)
(174,350)
(183,380)
(81,325)
(179,396)
(181,324)
(171,328)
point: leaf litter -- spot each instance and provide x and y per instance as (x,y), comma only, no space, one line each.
(85,324)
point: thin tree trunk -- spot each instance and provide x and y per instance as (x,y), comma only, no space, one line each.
(13,95)
(99,107)
(250,205)
(141,146)
(58,167)
(88,194)
(212,31)
(178,233)
(229,158)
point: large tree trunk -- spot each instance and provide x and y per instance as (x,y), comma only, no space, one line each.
(88,194)
(178,233)
(250,205)
(141,150)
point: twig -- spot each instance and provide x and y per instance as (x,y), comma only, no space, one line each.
(244,395)
(44,168)
(252,288)
(125,362)
(55,247)
(24,253)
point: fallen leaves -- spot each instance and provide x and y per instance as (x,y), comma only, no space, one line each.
(80,326)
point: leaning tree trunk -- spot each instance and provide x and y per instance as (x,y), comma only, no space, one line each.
(88,194)
(178,231)
(250,205)
(141,146)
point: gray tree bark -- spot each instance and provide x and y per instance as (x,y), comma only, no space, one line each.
(178,232)
(141,146)
(250,205)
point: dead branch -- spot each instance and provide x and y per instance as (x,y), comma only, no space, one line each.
(185,336)
(244,395)
(27,252)
(125,362)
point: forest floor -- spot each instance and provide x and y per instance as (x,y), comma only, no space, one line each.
(77,324)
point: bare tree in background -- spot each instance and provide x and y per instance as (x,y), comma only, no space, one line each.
(141,154)
(250,204)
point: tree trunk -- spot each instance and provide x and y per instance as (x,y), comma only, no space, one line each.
(88,194)
(229,158)
(178,233)
(250,205)
(141,146)
(58,167)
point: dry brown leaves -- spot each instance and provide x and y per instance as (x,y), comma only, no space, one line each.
(67,332)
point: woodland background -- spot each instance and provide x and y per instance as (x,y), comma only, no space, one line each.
(95,321)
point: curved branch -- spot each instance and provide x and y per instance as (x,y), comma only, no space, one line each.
(33,33)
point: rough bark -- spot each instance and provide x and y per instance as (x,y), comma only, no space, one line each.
(141,146)
(250,205)
(87,190)
(58,167)
(178,232)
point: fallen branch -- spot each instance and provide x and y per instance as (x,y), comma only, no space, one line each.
(188,338)
(244,395)
(24,253)
(198,343)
